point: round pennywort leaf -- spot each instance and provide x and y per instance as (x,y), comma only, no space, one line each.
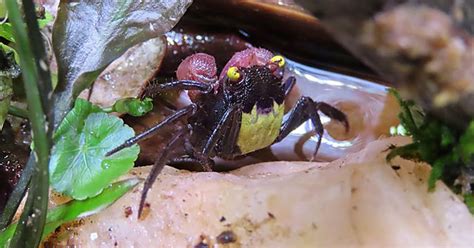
(78,165)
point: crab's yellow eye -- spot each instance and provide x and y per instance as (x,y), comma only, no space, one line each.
(233,73)
(279,60)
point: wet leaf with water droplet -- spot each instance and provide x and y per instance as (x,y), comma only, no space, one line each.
(78,165)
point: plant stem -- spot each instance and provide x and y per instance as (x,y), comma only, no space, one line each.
(18,193)
(18,112)
(28,233)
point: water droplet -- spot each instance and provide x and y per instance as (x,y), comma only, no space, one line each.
(43,65)
(105,166)
(107,77)
(29,221)
(94,236)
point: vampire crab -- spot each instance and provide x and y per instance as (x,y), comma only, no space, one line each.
(233,114)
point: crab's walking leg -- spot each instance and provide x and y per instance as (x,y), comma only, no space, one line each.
(216,135)
(156,88)
(288,85)
(306,109)
(233,133)
(301,112)
(158,167)
(333,113)
(184,160)
(188,162)
(188,110)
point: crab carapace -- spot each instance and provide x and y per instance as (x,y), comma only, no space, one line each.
(233,114)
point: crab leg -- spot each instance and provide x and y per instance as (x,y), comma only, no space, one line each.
(232,134)
(333,113)
(306,109)
(216,135)
(158,167)
(288,85)
(219,130)
(184,160)
(157,88)
(188,110)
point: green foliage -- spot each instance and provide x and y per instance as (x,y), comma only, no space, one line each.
(449,151)
(31,52)
(12,70)
(469,200)
(116,26)
(81,56)
(6,31)
(79,167)
(466,144)
(8,70)
(76,209)
(132,106)
(48,18)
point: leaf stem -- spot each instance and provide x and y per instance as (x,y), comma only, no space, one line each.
(18,112)
(32,220)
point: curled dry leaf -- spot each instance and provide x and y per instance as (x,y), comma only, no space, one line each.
(128,75)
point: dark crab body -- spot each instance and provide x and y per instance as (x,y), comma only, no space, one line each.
(239,112)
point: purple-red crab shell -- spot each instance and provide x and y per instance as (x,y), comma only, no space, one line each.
(202,67)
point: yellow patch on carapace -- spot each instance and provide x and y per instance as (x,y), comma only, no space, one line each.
(258,131)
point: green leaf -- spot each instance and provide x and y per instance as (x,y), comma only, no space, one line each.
(8,70)
(133,106)
(410,151)
(8,49)
(77,209)
(88,35)
(83,208)
(6,93)
(3,8)
(436,173)
(6,32)
(466,144)
(447,149)
(48,18)
(32,56)
(74,120)
(78,165)
(469,200)
(411,116)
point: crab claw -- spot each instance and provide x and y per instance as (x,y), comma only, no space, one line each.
(199,67)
